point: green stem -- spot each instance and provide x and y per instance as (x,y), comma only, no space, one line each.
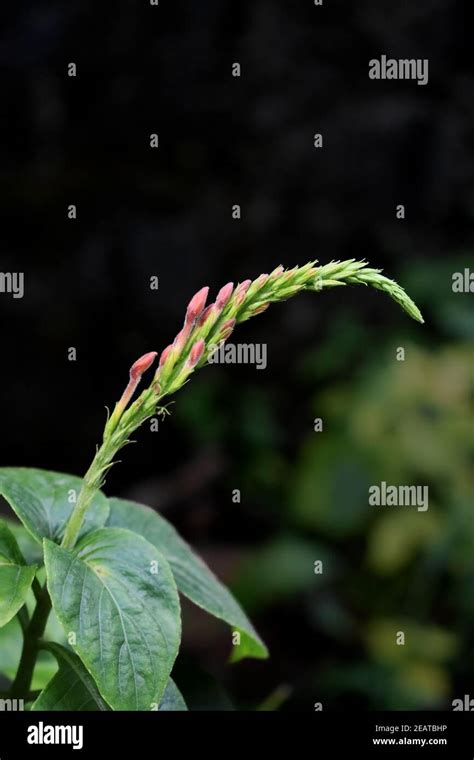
(90,484)
(115,437)
(24,619)
(34,629)
(76,519)
(22,683)
(37,589)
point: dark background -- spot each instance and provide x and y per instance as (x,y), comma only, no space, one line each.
(167,212)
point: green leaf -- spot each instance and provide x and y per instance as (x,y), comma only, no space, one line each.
(72,688)
(44,500)
(193,577)
(172,700)
(15,577)
(117,594)
(246,646)
(29,547)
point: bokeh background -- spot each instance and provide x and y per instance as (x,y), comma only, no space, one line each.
(167,212)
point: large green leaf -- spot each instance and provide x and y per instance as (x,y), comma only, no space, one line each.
(15,577)
(117,594)
(44,500)
(72,688)
(193,577)
(172,700)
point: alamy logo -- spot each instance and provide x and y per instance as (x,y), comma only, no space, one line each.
(466,704)
(463,282)
(399,496)
(239,353)
(44,734)
(13,283)
(403,68)
(12,705)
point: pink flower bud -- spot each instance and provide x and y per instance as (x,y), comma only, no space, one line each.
(224,294)
(182,337)
(228,324)
(277,272)
(226,329)
(260,309)
(136,371)
(213,311)
(196,305)
(164,354)
(240,291)
(141,365)
(260,281)
(205,314)
(196,353)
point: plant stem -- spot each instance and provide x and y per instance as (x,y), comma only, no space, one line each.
(115,437)
(91,483)
(37,590)
(22,683)
(34,629)
(24,619)
(76,519)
